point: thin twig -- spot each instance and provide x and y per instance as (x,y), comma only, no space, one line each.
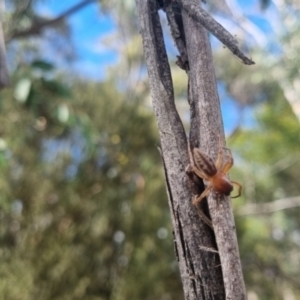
(204,218)
(209,249)
(270,207)
(196,12)
(36,27)
(174,16)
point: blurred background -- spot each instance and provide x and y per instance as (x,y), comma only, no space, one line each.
(83,205)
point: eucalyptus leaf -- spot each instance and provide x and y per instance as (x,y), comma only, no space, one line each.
(57,88)
(63,113)
(43,65)
(22,90)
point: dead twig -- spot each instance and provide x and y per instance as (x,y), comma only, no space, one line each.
(37,27)
(269,207)
(196,12)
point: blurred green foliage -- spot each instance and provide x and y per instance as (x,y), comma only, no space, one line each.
(267,163)
(83,207)
(83,204)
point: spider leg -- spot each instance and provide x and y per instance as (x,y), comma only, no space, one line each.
(192,167)
(192,163)
(198,199)
(229,163)
(239,189)
(199,173)
(220,154)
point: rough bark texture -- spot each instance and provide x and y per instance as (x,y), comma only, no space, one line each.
(195,11)
(194,241)
(196,244)
(4,76)
(206,124)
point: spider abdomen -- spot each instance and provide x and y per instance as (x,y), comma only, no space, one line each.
(204,163)
(221,184)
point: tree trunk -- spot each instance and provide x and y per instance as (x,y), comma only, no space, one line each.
(208,259)
(4,76)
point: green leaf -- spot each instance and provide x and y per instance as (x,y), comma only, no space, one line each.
(63,113)
(22,90)
(43,65)
(57,88)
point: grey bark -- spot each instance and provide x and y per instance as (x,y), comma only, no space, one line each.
(4,75)
(195,11)
(206,125)
(208,259)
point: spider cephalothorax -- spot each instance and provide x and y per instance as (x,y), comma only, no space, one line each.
(204,167)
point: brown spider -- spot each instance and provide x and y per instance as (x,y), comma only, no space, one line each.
(204,167)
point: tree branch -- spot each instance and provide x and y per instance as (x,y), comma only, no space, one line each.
(4,75)
(37,27)
(174,16)
(268,208)
(194,241)
(206,124)
(195,11)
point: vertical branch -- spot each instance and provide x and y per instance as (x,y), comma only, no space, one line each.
(38,26)
(194,241)
(206,123)
(4,76)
